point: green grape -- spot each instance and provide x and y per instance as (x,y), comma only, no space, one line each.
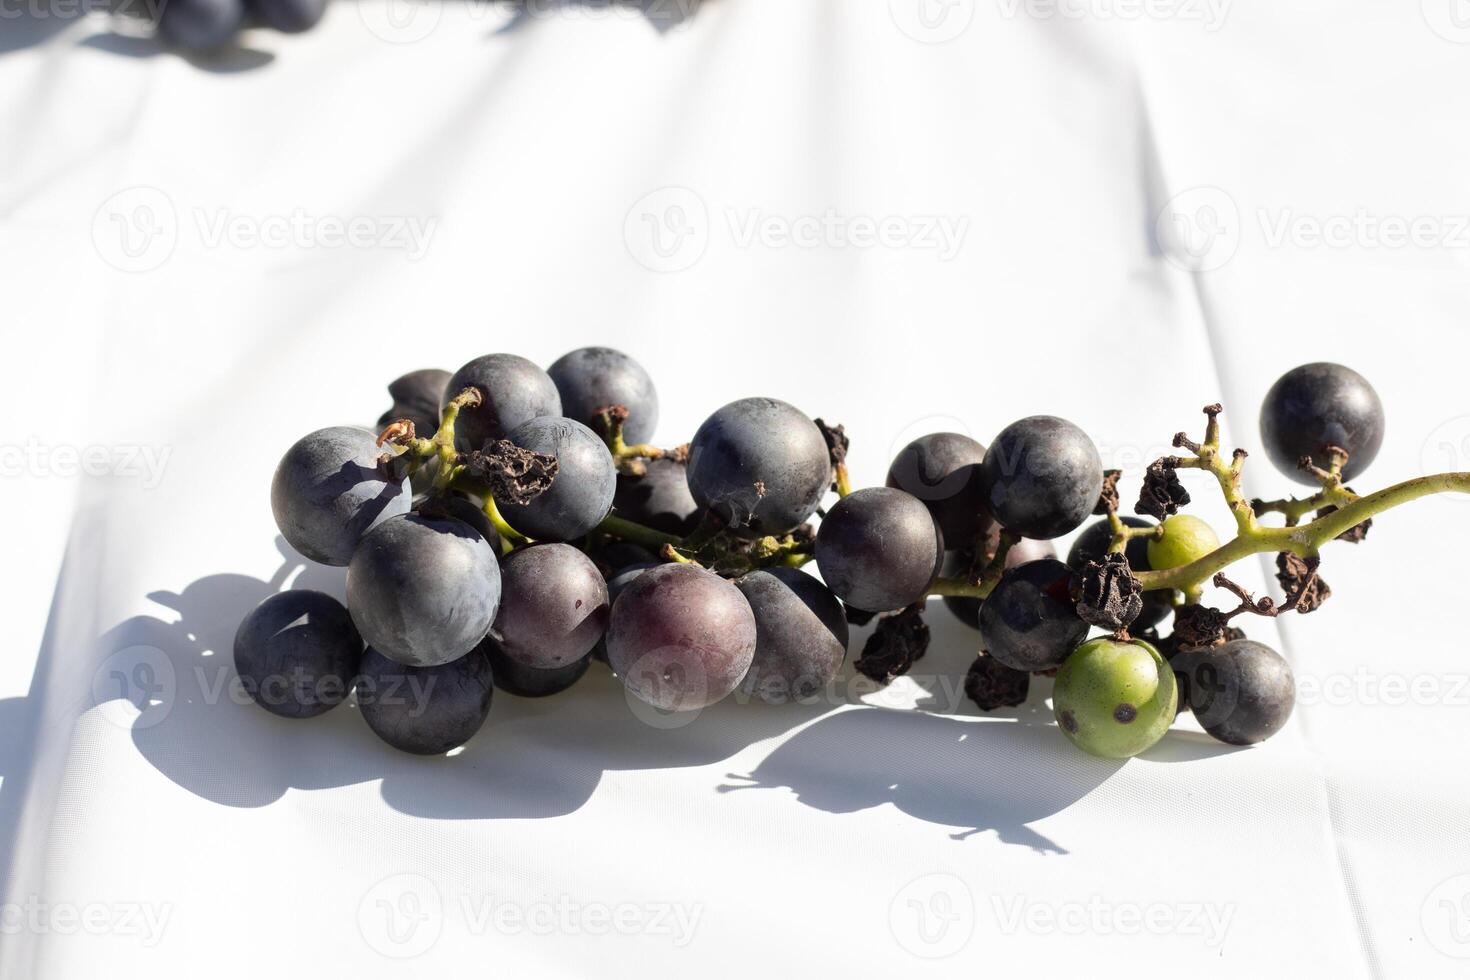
(1115,699)
(1186,539)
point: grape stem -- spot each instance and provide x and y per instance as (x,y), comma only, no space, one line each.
(1332,494)
(979,584)
(443,441)
(706,545)
(630,458)
(417,451)
(627,530)
(1304,540)
(1252,538)
(841,482)
(497,521)
(1122,533)
(1209,457)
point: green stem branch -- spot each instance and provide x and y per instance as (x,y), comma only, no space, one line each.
(1304,540)
(627,530)
(497,520)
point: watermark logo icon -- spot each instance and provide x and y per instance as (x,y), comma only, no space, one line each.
(136,229)
(1450,19)
(1199,229)
(667,230)
(932,21)
(906,468)
(399,21)
(135,687)
(1445,917)
(666,691)
(933,916)
(401,916)
(1447,450)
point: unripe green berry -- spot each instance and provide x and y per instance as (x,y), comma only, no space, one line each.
(1114,699)
(1185,539)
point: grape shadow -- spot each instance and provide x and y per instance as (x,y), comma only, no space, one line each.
(970,774)
(552,751)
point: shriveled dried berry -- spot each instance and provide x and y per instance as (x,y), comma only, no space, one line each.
(1298,577)
(895,645)
(1111,597)
(1196,627)
(1162,494)
(1107,501)
(514,475)
(992,685)
(837,441)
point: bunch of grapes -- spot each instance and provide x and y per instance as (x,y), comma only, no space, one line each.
(505,526)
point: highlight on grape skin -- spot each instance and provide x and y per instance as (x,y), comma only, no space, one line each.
(543,531)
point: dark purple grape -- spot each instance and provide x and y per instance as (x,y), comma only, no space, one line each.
(289,17)
(200,25)
(1241,692)
(553,606)
(1319,405)
(681,637)
(580,496)
(618,555)
(879,549)
(516,678)
(425,710)
(626,575)
(418,394)
(1093,544)
(615,586)
(513,391)
(1042,477)
(1030,622)
(943,470)
(659,499)
(960,562)
(760,465)
(297,653)
(801,635)
(461,509)
(592,378)
(328,491)
(423,591)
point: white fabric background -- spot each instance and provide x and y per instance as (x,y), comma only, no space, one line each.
(1340,848)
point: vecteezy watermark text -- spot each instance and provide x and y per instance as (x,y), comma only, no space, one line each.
(1363,229)
(669,230)
(1211,14)
(301,229)
(939,233)
(36,917)
(138,228)
(403,915)
(35,458)
(1099,917)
